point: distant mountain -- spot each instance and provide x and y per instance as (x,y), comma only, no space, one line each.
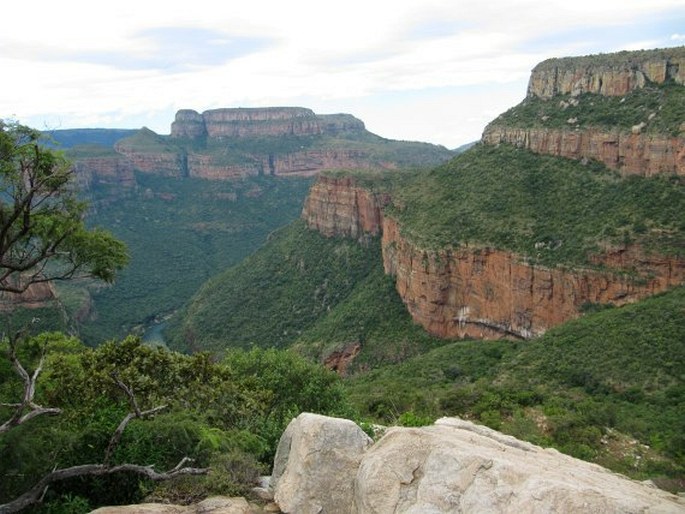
(68,138)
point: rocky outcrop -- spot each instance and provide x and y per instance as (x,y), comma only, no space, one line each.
(113,170)
(626,152)
(213,505)
(611,75)
(451,466)
(489,293)
(316,463)
(38,295)
(259,122)
(338,206)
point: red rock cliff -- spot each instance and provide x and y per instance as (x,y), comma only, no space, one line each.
(340,207)
(254,122)
(483,292)
(628,153)
(486,293)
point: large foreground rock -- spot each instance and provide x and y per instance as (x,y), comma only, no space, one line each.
(323,466)
(316,464)
(457,466)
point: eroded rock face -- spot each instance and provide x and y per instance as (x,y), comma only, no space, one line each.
(316,463)
(254,122)
(339,207)
(40,294)
(457,466)
(626,152)
(112,170)
(488,293)
(611,75)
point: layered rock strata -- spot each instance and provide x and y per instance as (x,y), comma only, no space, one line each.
(487,293)
(340,207)
(629,150)
(484,292)
(256,122)
(115,170)
(628,153)
(610,75)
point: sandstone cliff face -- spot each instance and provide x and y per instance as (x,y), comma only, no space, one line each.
(339,207)
(111,170)
(254,122)
(36,296)
(628,153)
(483,292)
(488,293)
(612,75)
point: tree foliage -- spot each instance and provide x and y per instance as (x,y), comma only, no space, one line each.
(42,233)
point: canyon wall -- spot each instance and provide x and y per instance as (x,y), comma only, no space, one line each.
(486,293)
(629,150)
(612,75)
(625,152)
(483,292)
(340,207)
(114,170)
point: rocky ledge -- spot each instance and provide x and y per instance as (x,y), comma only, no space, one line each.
(607,74)
(255,122)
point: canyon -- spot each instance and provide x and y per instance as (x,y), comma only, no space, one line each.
(484,292)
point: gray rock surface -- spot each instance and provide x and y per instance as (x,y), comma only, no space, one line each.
(316,463)
(456,466)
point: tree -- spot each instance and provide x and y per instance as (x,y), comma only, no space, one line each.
(43,236)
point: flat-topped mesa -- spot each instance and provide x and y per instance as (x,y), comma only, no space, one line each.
(607,74)
(254,122)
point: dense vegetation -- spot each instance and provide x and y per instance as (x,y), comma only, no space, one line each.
(607,387)
(276,293)
(180,232)
(661,108)
(227,415)
(550,209)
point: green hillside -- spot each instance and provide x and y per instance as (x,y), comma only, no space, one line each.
(516,200)
(591,387)
(660,107)
(180,232)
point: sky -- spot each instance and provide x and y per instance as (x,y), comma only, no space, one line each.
(419,70)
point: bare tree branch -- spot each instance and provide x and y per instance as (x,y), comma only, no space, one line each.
(19,416)
(33,495)
(36,493)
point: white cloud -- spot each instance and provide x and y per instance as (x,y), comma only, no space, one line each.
(127,62)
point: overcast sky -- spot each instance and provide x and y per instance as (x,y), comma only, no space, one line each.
(423,70)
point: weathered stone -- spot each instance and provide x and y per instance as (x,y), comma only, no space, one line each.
(455,466)
(611,75)
(630,152)
(339,207)
(316,463)
(487,293)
